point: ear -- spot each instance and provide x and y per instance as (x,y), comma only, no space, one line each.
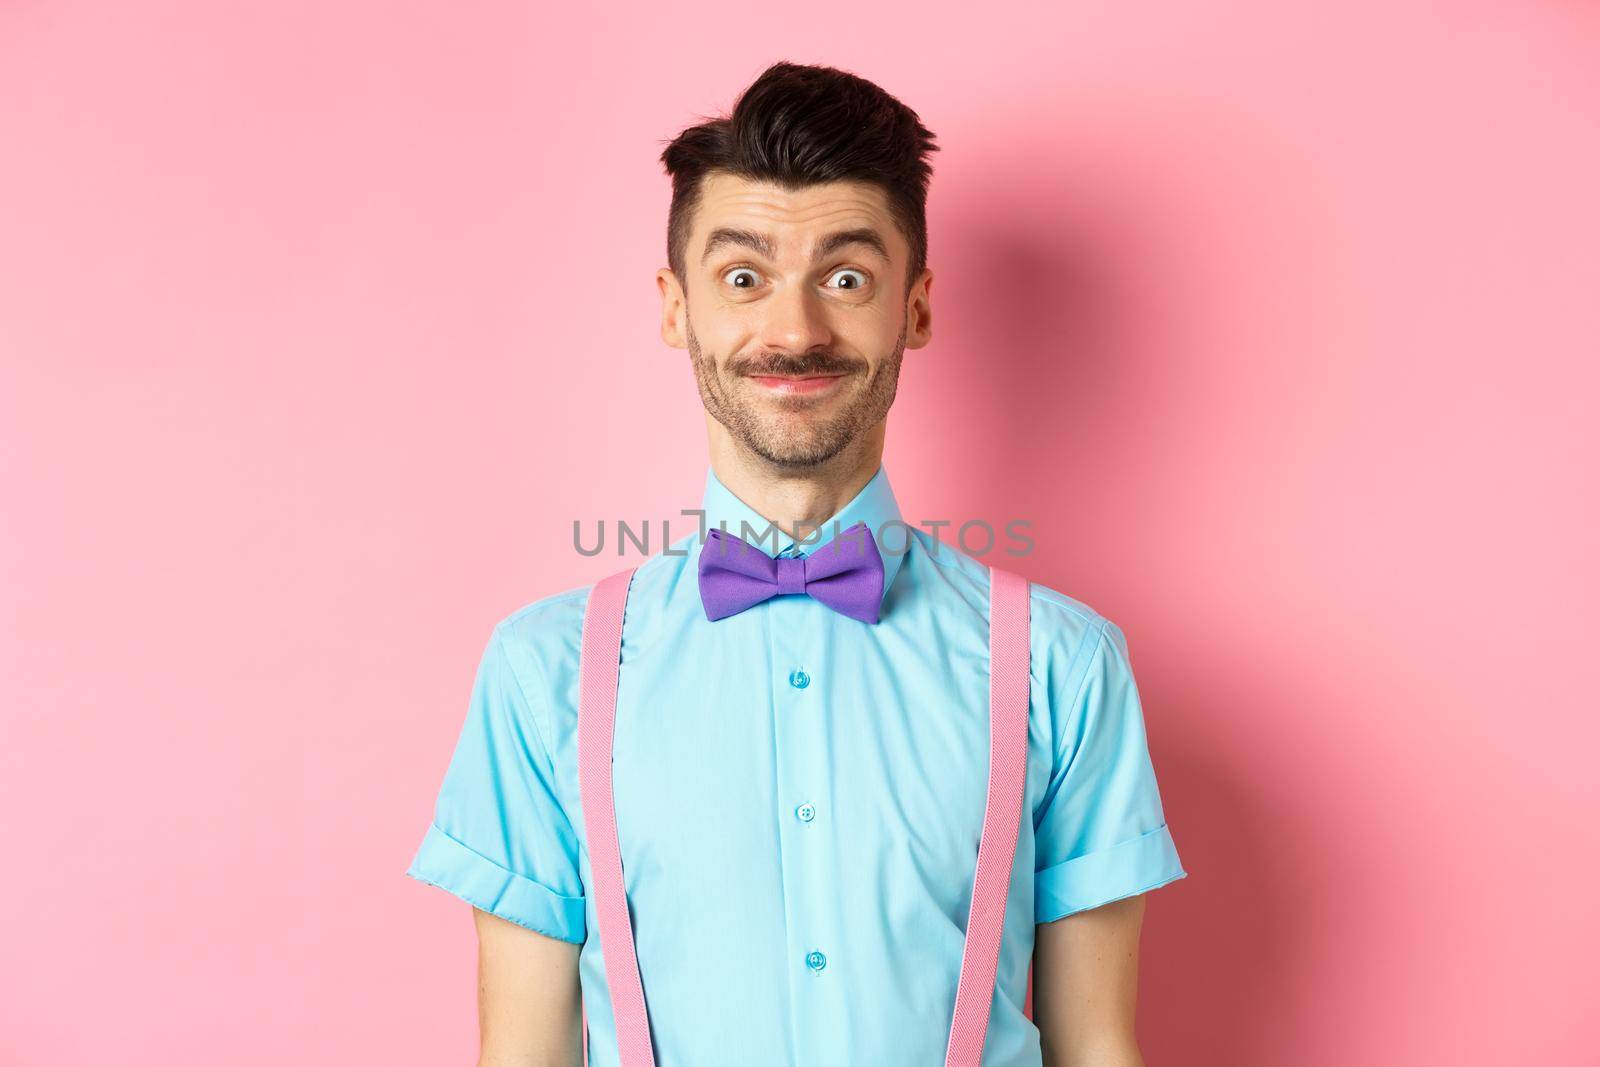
(673,309)
(919,311)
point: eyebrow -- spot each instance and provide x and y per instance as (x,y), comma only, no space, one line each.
(863,236)
(727,235)
(724,235)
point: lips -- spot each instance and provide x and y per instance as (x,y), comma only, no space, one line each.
(796,384)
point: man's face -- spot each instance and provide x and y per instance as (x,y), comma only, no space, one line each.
(795,312)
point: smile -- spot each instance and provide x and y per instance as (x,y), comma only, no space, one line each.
(795,386)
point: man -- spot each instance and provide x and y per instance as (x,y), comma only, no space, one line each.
(798,789)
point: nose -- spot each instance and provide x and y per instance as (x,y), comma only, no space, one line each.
(795,321)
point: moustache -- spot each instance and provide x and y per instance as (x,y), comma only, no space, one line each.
(796,366)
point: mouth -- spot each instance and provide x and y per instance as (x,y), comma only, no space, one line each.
(797,385)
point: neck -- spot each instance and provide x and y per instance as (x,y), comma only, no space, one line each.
(797,500)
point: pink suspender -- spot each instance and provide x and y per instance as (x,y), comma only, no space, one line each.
(599,660)
(1002,816)
(1002,813)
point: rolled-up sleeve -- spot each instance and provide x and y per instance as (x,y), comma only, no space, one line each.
(1100,834)
(500,838)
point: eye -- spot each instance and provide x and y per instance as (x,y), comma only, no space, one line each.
(742,278)
(849,278)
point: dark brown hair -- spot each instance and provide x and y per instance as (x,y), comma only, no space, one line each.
(804,125)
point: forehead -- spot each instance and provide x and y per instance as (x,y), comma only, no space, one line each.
(792,217)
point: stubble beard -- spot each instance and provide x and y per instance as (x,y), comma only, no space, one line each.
(793,442)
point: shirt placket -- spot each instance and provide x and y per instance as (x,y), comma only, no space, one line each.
(816,961)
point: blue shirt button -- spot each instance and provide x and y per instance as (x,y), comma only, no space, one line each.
(816,960)
(805,813)
(799,679)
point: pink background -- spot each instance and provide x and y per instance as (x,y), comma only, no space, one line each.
(322,322)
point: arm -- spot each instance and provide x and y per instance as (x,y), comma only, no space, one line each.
(1102,843)
(501,841)
(1085,983)
(529,1012)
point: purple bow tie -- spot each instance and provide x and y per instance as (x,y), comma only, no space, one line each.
(846,574)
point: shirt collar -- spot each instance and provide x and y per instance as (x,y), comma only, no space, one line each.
(874,505)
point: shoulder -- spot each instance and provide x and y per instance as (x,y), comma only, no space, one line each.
(545,621)
(1060,624)
(543,639)
(1065,621)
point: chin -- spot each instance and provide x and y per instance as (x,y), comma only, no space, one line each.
(798,452)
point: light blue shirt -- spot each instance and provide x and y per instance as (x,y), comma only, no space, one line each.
(799,799)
